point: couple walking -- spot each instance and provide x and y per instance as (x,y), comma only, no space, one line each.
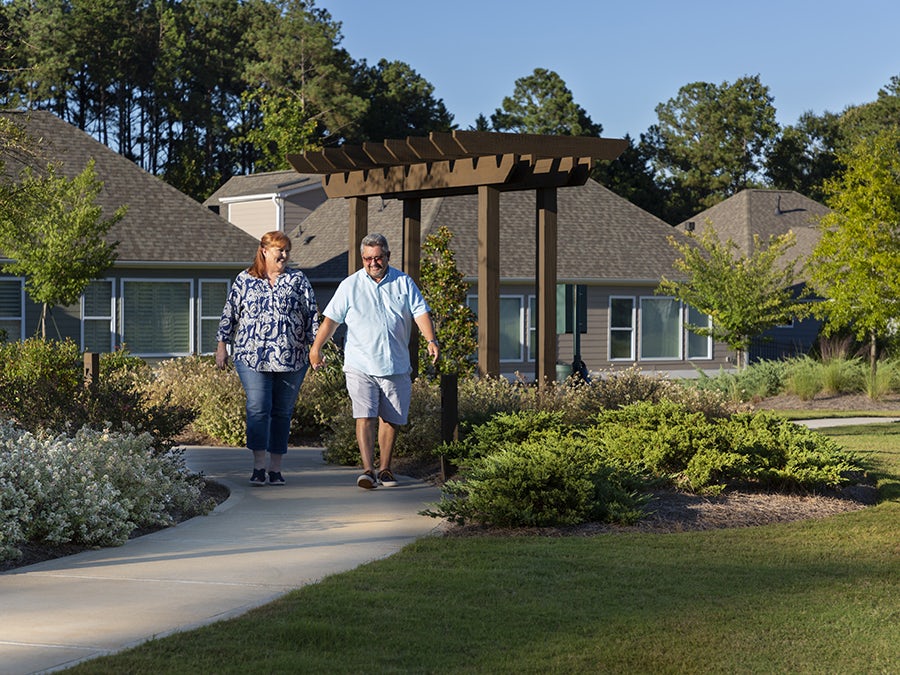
(270,321)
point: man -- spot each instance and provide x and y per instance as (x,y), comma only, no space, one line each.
(378,304)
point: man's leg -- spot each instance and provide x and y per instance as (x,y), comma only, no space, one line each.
(387,434)
(365,438)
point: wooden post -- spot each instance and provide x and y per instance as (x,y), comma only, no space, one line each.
(91,370)
(545,302)
(449,418)
(359,227)
(412,254)
(488,280)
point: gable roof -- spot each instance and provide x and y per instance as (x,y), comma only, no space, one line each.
(281,183)
(163,226)
(765,213)
(601,236)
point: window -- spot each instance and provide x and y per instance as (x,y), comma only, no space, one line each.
(12,308)
(156,317)
(698,346)
(98,330)
(512,337)
(660,330)
(621,329)
(512,325)
(212,299)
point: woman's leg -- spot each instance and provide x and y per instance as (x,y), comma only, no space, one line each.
(285,389)
(258,388)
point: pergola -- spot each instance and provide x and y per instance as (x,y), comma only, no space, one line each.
(458,163)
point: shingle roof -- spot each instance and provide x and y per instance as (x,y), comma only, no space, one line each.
(601,236)
(765,213)
(271,182)
(163,225)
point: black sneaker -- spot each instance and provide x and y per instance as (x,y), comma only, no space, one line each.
(386,478)
(258,477)
(367,480)
(275,478)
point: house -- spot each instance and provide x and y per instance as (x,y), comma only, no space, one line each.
(612,251)
(767,213)
(262,202)
(164,294)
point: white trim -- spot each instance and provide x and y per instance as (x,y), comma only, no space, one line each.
(281,194)
(633,329)
(687,335)
(201,315)
(111,318)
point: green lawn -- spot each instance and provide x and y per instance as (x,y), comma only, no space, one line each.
(809,597)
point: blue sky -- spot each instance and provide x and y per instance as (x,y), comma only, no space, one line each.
(621,59)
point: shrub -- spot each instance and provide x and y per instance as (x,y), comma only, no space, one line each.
(92,488)
(625,452)
(842,376)
(803,378)
(215,396)
(41,388)
(557,480)
(885,379)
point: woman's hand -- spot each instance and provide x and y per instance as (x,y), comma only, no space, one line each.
(221,356)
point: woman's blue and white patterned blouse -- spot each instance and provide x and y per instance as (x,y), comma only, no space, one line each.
(271,327)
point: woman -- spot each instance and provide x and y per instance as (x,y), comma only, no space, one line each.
(270,319)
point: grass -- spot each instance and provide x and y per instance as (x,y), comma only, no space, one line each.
(801,597)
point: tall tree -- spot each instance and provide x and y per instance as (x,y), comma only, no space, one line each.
(744,295)
(298,60)
(804,155)
(865,121)
(630,176)
(401,103)
(856,264)
(711,140)
(541,103)
(54,233)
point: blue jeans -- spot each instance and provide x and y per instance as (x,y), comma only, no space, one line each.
(270,406)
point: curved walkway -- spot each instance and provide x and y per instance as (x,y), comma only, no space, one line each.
(258,545)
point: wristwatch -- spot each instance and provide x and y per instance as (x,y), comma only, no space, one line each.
(435,341)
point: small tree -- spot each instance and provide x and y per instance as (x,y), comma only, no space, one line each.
(454,321)
(743,295)
(53,231)
(856,264)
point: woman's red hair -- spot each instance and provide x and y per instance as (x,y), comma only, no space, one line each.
(273,239)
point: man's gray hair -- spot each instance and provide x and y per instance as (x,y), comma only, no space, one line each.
(375,239)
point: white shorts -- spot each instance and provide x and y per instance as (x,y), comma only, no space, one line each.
(385,397)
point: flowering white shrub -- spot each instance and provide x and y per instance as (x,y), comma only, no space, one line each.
(94,488)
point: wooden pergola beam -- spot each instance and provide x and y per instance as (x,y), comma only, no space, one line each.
(421,178)
(468,162)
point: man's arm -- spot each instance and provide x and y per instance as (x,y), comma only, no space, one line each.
(426,328)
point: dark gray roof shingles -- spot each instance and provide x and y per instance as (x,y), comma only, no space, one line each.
(162,225)
(601,236)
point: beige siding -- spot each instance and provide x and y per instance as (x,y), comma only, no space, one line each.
(254,217)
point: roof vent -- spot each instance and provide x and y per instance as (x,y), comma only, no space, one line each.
(689,226)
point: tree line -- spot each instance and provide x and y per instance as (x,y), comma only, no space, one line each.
(196,91)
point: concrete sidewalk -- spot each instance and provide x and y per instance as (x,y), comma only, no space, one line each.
(258,545)
(845,421)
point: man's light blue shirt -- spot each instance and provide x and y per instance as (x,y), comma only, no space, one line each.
(379,317)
